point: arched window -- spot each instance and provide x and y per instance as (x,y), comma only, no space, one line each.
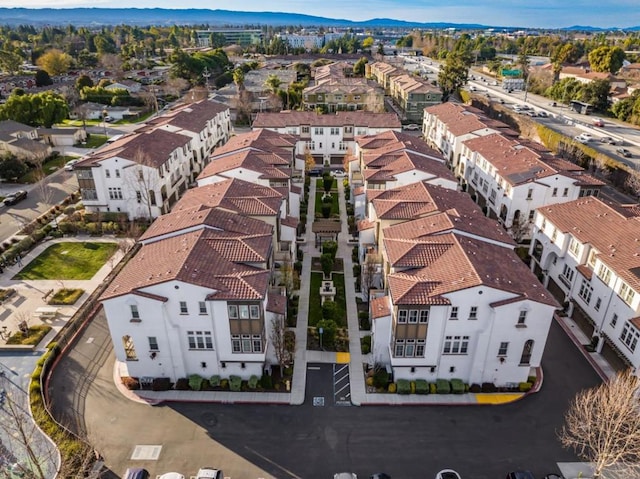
(129,348)
(526,352)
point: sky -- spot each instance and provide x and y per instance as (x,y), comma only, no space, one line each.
(524,13)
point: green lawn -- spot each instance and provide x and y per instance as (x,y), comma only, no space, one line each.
(69,261)
(335,208)
(48,167)
(320,184)
(315,303)
(94,141)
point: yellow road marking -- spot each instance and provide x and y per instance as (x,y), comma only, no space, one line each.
(497,398)
(343,358)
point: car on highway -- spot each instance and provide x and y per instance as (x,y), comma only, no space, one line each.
(411,127)
(598,122)
(448,474)
(624,152)
(583,138)
(15,197)
(542,114)
(70,164)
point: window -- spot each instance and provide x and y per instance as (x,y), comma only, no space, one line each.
(233,312)
(319,131)
(254,311)
(626,293)
(554,192)
(565,192)
(598,303)
(153,343)
(630,337)
(129,348)
(473,312)
(456,345)
(532,213)
(413,316)
(453,315)
(257,343)
(410,348)
(502,350)
(139,197)
(399,350)
(243,309)
(591,260)
(604,274)
(554,235)
(585,291)
(522,318)
(107,173)
(402,316)
(202,306)
(246,343)
(115,193)
(200,340)
(235,343)
(135,314)
(567,274)
(305,129)
(529,193)
(117,173)
(574,248)
(614,320)
(424,316)
(183,307)
(544,224)
(420,348)
(526,352)
(335,131)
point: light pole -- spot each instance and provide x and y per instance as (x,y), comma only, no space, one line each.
(320,331)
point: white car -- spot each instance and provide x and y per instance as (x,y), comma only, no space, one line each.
(338,173)
(583,138)
(209,473)
(70,164)
(411,127)
(171,475)
(448,474)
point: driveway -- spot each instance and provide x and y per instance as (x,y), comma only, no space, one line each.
(252,441)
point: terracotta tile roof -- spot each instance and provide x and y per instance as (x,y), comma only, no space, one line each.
(460,263)
(515,162)
(358,191)
(390,141)
(202,216)
(261,140)
(636,322)
(151,148)
(342,118)
(380,307)
(191,116)
(461,119)
(189,258)
(613,231)
(268,165)
(585,271)
(276,303)
(234,195)
(290,221)
(417,199)
(365,225)
(406,161)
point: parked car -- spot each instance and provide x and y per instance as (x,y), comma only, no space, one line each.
(136,473)
(521,475)
(209,473)
(109,119)
(171,475)
(380,475)
(70,164)
(598,122)
(339,173)
(15,197)
(345,475)
(315,172)
(448,474)
(411,127)
(624,152)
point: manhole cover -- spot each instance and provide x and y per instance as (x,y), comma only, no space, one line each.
(146,453)
(318,401)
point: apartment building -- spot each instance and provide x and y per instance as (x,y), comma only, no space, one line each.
(327,138)
(144,173)
(587,252)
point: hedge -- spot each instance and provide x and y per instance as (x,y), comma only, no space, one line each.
(443,386)
(457,386)
(422,386)
(214,381)
(404,386)
(253,382)
(195,382)
(235,383)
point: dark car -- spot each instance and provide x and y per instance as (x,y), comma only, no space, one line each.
(315,172)
(623,151)
(14,198)
(136,473)
(521,475)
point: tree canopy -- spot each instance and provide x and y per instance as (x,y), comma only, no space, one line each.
(606,59)
(38,109)
(54,62)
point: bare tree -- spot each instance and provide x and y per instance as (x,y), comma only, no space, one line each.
(632,183)
(370,274)
(143,180)
(112,62)
(279,341)
(602,426)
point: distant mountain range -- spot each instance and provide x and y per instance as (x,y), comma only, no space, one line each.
(218,18)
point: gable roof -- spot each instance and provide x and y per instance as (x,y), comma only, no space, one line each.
(290,118)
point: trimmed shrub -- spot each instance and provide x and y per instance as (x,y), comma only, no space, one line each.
(392,388)
(329,331)
(161,384)
(381,378)
(195,382)
(475,388)
(329,310)
(214,381)
(443,386)
(404,386)
(488,388)
(224,384)
(365,344)
(253,382)
(266,381)
(532,379)
(421,386)
(457,386)
(182,384)
(235,383)
(365,324)
(132,384)
(326,210)
(369,381)
(524,387)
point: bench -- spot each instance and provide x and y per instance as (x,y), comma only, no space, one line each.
(47,294)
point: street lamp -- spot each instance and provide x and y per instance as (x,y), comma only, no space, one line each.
(320,331)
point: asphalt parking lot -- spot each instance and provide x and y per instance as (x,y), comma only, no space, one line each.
(252,441)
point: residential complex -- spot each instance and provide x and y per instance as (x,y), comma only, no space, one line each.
(144,173)
(587,252)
